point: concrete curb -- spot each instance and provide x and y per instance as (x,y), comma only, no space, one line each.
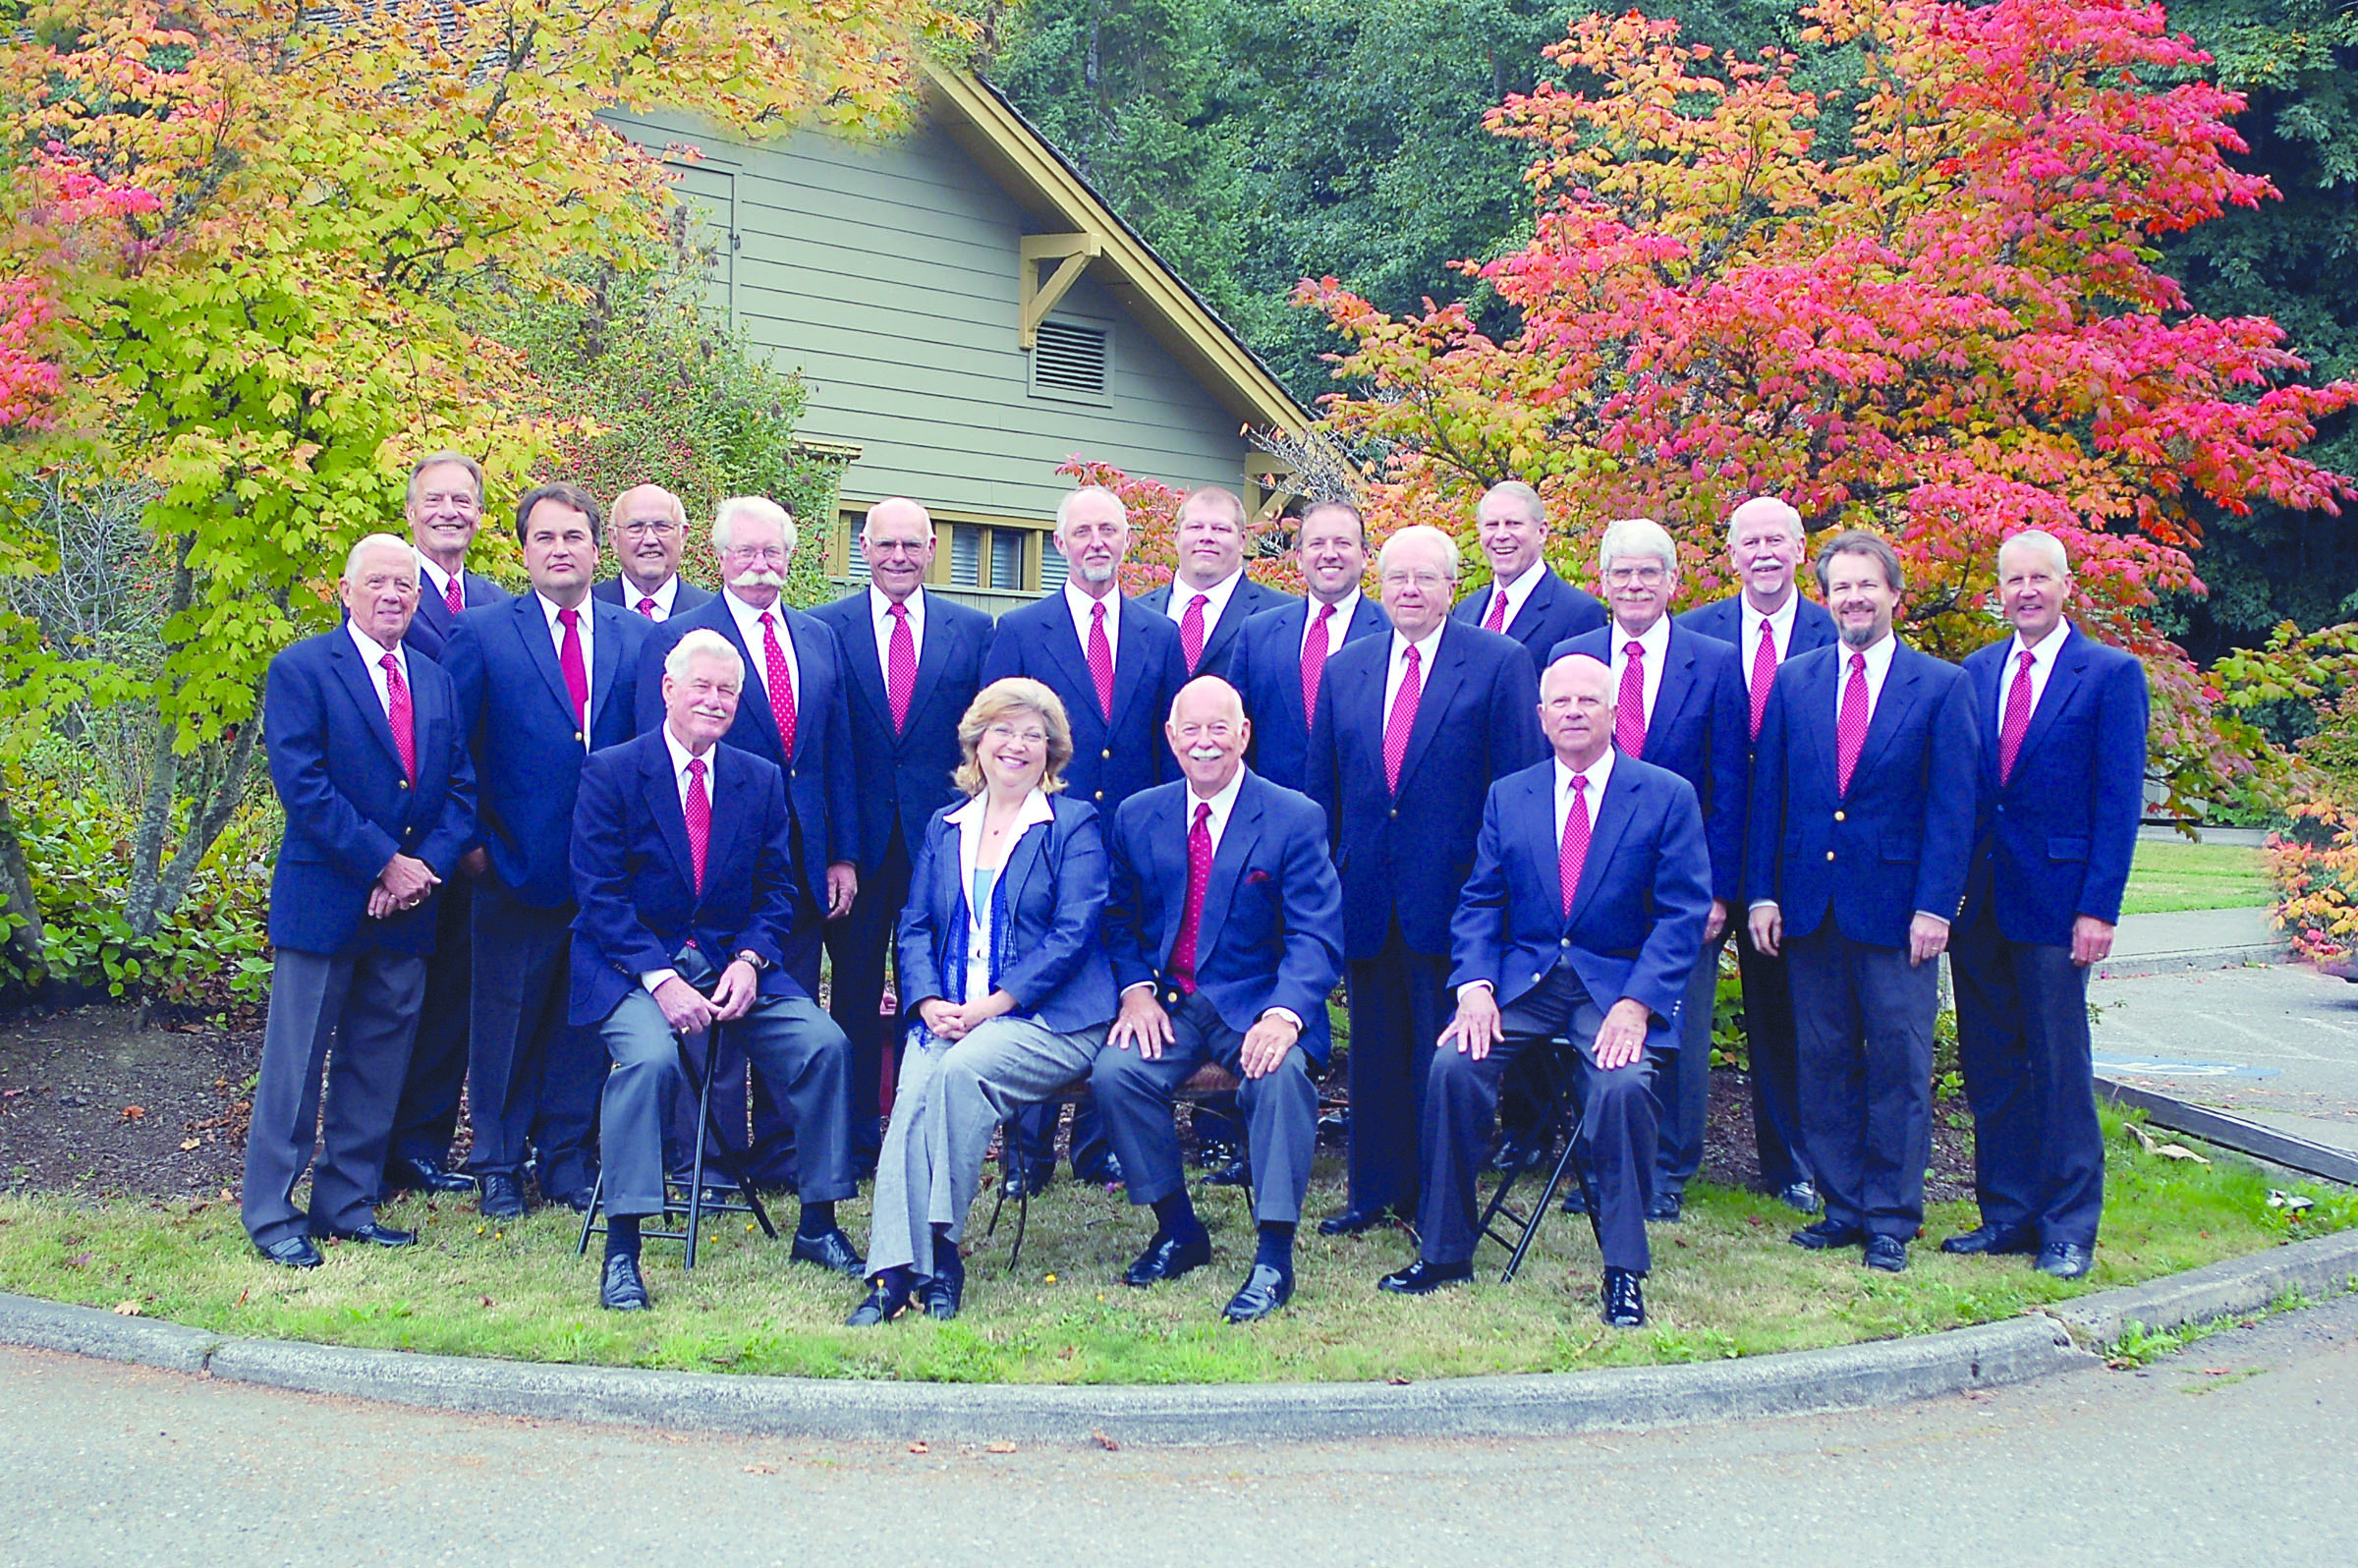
(1792,1383)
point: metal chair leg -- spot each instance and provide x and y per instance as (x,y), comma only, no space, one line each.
(597,1199)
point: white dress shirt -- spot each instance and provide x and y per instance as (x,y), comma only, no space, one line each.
(1082,607)
(969,817)
(664,596)
(439,579)
(1878,666)
(583,620)
(1656,640)
(651,978)
(372,650)
(1517,592)
(880,614)
(1781,623)
(2043,666)
(749,627)
(1215,598)
(1338,625)
(1397,665)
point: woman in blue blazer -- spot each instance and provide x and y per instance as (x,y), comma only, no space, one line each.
(1003,982)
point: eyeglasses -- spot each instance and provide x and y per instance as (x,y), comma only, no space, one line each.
(896,546)
(647,528)
(1423,580)
(1649,575)
(767,555)
(1008,732)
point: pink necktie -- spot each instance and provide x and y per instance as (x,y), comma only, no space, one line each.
(1101,659)
(781,685)
(1850,728)
(1496,620)
(1314,648)
(1629,711)
(1763,674)
(1191,631)
(577,674)
(452,597)
(1574,853)
(2018,718)
(400,717)
(1191,913)
(647,607)
(1401,720)
(697,810)
(900,667)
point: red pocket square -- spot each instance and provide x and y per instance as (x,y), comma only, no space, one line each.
(1255,875)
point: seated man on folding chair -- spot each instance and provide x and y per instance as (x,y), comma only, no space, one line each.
(1584,913)
(684,872)
(1225,930)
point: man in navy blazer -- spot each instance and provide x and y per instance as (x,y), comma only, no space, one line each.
(1115,665)
(916,662)
(1412,729)
(371,766)
(2062,782)
(1857,840)
(1678,703)
(683,872)
(796,717)
(444,507)
(542,681)
(1225,930)
(1768,623)
(1582,919)
(1280,655)
(1211,599)
(1526,599)
(649,527)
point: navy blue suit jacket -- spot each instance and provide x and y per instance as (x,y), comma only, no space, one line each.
(1271,930)
(1636,923)
(822,798)
(1702,731)
(1053,888)
(1553,611)
(429,628)
(1265,667)
(349,806)
(1112,759)
(1251,598)
(634,880)
(2056,838)
(687,596)
(519,725)
(1900,840)
(901,780)
(1477,720)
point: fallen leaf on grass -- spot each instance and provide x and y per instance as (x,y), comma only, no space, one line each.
(1000,1448)
(77,1260)
(132,1113)
(1102,1441)
(919,1447)
(188,1144)
(486,1300)
(127,1309)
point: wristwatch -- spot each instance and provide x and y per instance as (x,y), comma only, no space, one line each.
(747,955)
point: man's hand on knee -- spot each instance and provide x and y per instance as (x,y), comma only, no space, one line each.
(1621,1037)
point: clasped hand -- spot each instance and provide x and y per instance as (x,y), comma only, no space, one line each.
(690,1012)
(403,884)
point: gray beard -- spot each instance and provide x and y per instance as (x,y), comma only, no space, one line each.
(1859,639)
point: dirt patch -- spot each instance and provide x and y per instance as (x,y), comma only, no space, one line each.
(92,1102)
(1730,1158)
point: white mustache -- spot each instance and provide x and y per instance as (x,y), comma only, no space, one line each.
(759,577)
(1203,754)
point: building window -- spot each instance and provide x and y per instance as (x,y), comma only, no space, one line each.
(1072,360)
(987,557)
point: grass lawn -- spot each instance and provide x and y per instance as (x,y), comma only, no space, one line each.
(2172,876)
(1724,1284)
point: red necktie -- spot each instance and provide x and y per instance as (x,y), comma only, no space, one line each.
(398,714)
(697,810)
(2018,718)
(1629,713)
(1401,720)
(1101,659)
(1763,674)
(1191,915)
(781,685)
(1314,648)
(1574,853)
(1496,620)
(900,667)
(577,674)
(1191,631)
(452,597)
(647,607)
(1850,728)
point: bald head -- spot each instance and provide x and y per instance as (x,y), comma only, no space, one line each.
(649,528)
(897,543)
(1576,708)
(1209,732)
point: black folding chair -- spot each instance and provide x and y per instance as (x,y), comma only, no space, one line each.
(1560,1113)
(692,1205)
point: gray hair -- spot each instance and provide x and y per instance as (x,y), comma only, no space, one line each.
(2045,544)
(1522,495)
(372,541)
(1636,536)
(704,643)
(1421,534)
(1768,509)
(1064,508)
(725,515)
(437,460)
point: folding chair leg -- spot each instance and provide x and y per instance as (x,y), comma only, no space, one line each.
(1568,1161)
(597,1200)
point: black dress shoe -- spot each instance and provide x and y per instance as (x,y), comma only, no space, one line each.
(887,1299)
(1624,1298)
(1801,1197)
(290,1251)
(503,1197)
(1030,1181)
(1886,1252)
(1666,1207)
(1263,1291)
(1827,1233)
(943,1295)
(577,1199)
(1575,1201)
(1991,1240)
(1354,1221)
(2065,1260)
(832,1251)
(1167,1257)
(432,1176)
(1422,1278)
(374,1234)
(620,1290)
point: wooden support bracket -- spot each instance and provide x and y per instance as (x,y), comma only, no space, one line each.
(1072,253)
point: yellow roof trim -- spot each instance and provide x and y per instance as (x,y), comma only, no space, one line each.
(998,138)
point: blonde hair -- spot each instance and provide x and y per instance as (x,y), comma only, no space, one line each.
(1013,694)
